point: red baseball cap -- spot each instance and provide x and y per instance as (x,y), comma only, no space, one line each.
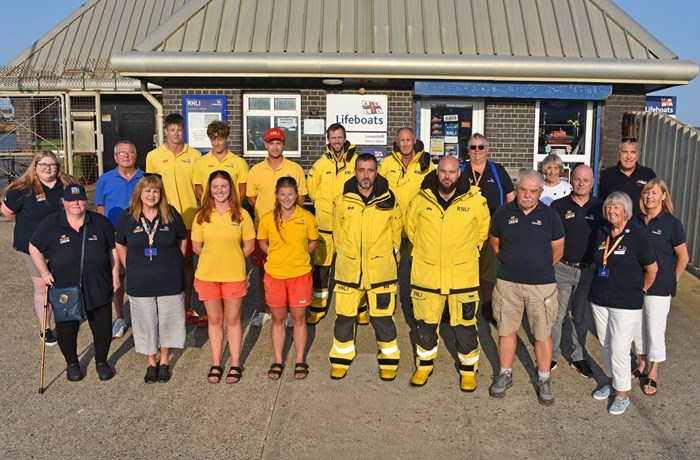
(273,134)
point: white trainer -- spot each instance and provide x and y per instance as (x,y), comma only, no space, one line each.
(119,328)
(260,318)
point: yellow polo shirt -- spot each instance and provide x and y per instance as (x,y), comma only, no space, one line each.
(177,172)
(222,257)
(288,258)
(232,164)
(262,180)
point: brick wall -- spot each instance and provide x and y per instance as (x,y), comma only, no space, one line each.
(614,109)
(400,112)
(509,127)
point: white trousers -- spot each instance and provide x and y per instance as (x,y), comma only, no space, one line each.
(616,329)
(651,335)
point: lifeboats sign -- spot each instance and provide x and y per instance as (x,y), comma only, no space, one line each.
(661,104)
(363,116)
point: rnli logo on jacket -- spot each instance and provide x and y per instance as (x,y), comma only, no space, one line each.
(301,222)
(590,217)
(64,239)
(462,208)
(92,238)
(601,247)
(536,222)
(187,160)
(656,232)
(164,228)
(620,251)
(641,182)
(138,229)
(512,220)
(569,215)
(350,208)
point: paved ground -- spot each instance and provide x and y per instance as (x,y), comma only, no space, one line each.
(358,417)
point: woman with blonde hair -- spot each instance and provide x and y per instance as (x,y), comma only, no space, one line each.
(223,235)
(26,202)
(668,237)
(151,240)
(288,235)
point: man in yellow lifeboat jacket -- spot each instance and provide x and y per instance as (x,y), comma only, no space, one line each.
(325,182)
(367,224)
(406,167)
(447,223)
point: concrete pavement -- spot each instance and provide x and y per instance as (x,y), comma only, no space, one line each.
(357,417)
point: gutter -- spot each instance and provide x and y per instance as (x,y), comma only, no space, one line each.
(159,112)
(445,67)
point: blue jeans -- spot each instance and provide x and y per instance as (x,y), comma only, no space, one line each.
(573,285)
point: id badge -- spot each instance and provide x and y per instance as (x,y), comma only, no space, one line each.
(603,272)
(150,252)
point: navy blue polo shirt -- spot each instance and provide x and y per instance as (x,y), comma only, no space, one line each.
(666,233)
(581,224)
(159,275)
(488,184)
(525,248)
(614,180)
(113,191)
(623,287)
(30,209)
(60,244)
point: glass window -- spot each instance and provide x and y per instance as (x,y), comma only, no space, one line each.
(259,116)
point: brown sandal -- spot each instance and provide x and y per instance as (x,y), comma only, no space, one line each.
(651,383)
(234,375)
(275,372)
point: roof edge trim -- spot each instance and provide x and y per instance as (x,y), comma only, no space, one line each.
(343,65)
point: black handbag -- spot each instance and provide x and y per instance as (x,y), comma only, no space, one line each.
(68,303)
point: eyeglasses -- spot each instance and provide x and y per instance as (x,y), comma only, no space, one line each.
(152,174)
(480,147)
(126,153)
(47,165)
(625,140)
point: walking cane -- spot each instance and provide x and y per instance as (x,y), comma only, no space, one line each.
(43,339)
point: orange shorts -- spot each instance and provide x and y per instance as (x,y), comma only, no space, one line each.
(213,290)
(189,253)
(258,257)
(292,292)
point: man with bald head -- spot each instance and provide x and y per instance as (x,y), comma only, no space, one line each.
(447,224)
(582,215)
(528,238)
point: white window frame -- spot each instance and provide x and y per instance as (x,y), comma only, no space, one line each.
(272,113)
(566,159)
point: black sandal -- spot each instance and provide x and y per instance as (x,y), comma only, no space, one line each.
(275,371)
(234,373)
(213,375)
(301,371)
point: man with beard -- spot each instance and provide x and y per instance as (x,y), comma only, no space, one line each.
(528,238)
(325,182)
(447,224)
(367,224)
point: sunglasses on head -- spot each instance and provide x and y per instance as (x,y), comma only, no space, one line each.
(480,147)
(628,139)
(152,174)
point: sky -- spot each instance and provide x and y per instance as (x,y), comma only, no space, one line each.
(673,22)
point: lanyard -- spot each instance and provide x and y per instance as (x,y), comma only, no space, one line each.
(476,181)
(607,252)
(150,232)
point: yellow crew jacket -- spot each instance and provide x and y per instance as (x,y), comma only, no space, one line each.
(326,181)
(367,234)
(446,242)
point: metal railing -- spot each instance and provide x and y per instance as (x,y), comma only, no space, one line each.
(672,149)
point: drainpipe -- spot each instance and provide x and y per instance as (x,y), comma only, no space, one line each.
(69,135)
(159,111)
(100,140)
(596,154)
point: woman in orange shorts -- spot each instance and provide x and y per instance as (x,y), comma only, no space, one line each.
(223,235)
(288,235)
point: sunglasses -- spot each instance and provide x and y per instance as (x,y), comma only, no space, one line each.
(153,174)
(480,147)
(628,139)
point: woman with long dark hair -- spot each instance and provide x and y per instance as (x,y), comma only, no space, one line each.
(223,236)
(288,235)
(26,202)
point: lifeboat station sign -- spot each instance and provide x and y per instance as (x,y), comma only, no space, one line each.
(363,116)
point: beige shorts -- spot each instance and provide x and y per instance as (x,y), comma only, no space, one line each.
(488,264)
(510,300)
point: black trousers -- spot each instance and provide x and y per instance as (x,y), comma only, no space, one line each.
(100,321)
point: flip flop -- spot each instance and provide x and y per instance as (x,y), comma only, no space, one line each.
(651,383)
(191,317)
(301,371)
(202,322)
(275,371)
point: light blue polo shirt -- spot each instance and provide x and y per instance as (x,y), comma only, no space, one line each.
(114,192)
